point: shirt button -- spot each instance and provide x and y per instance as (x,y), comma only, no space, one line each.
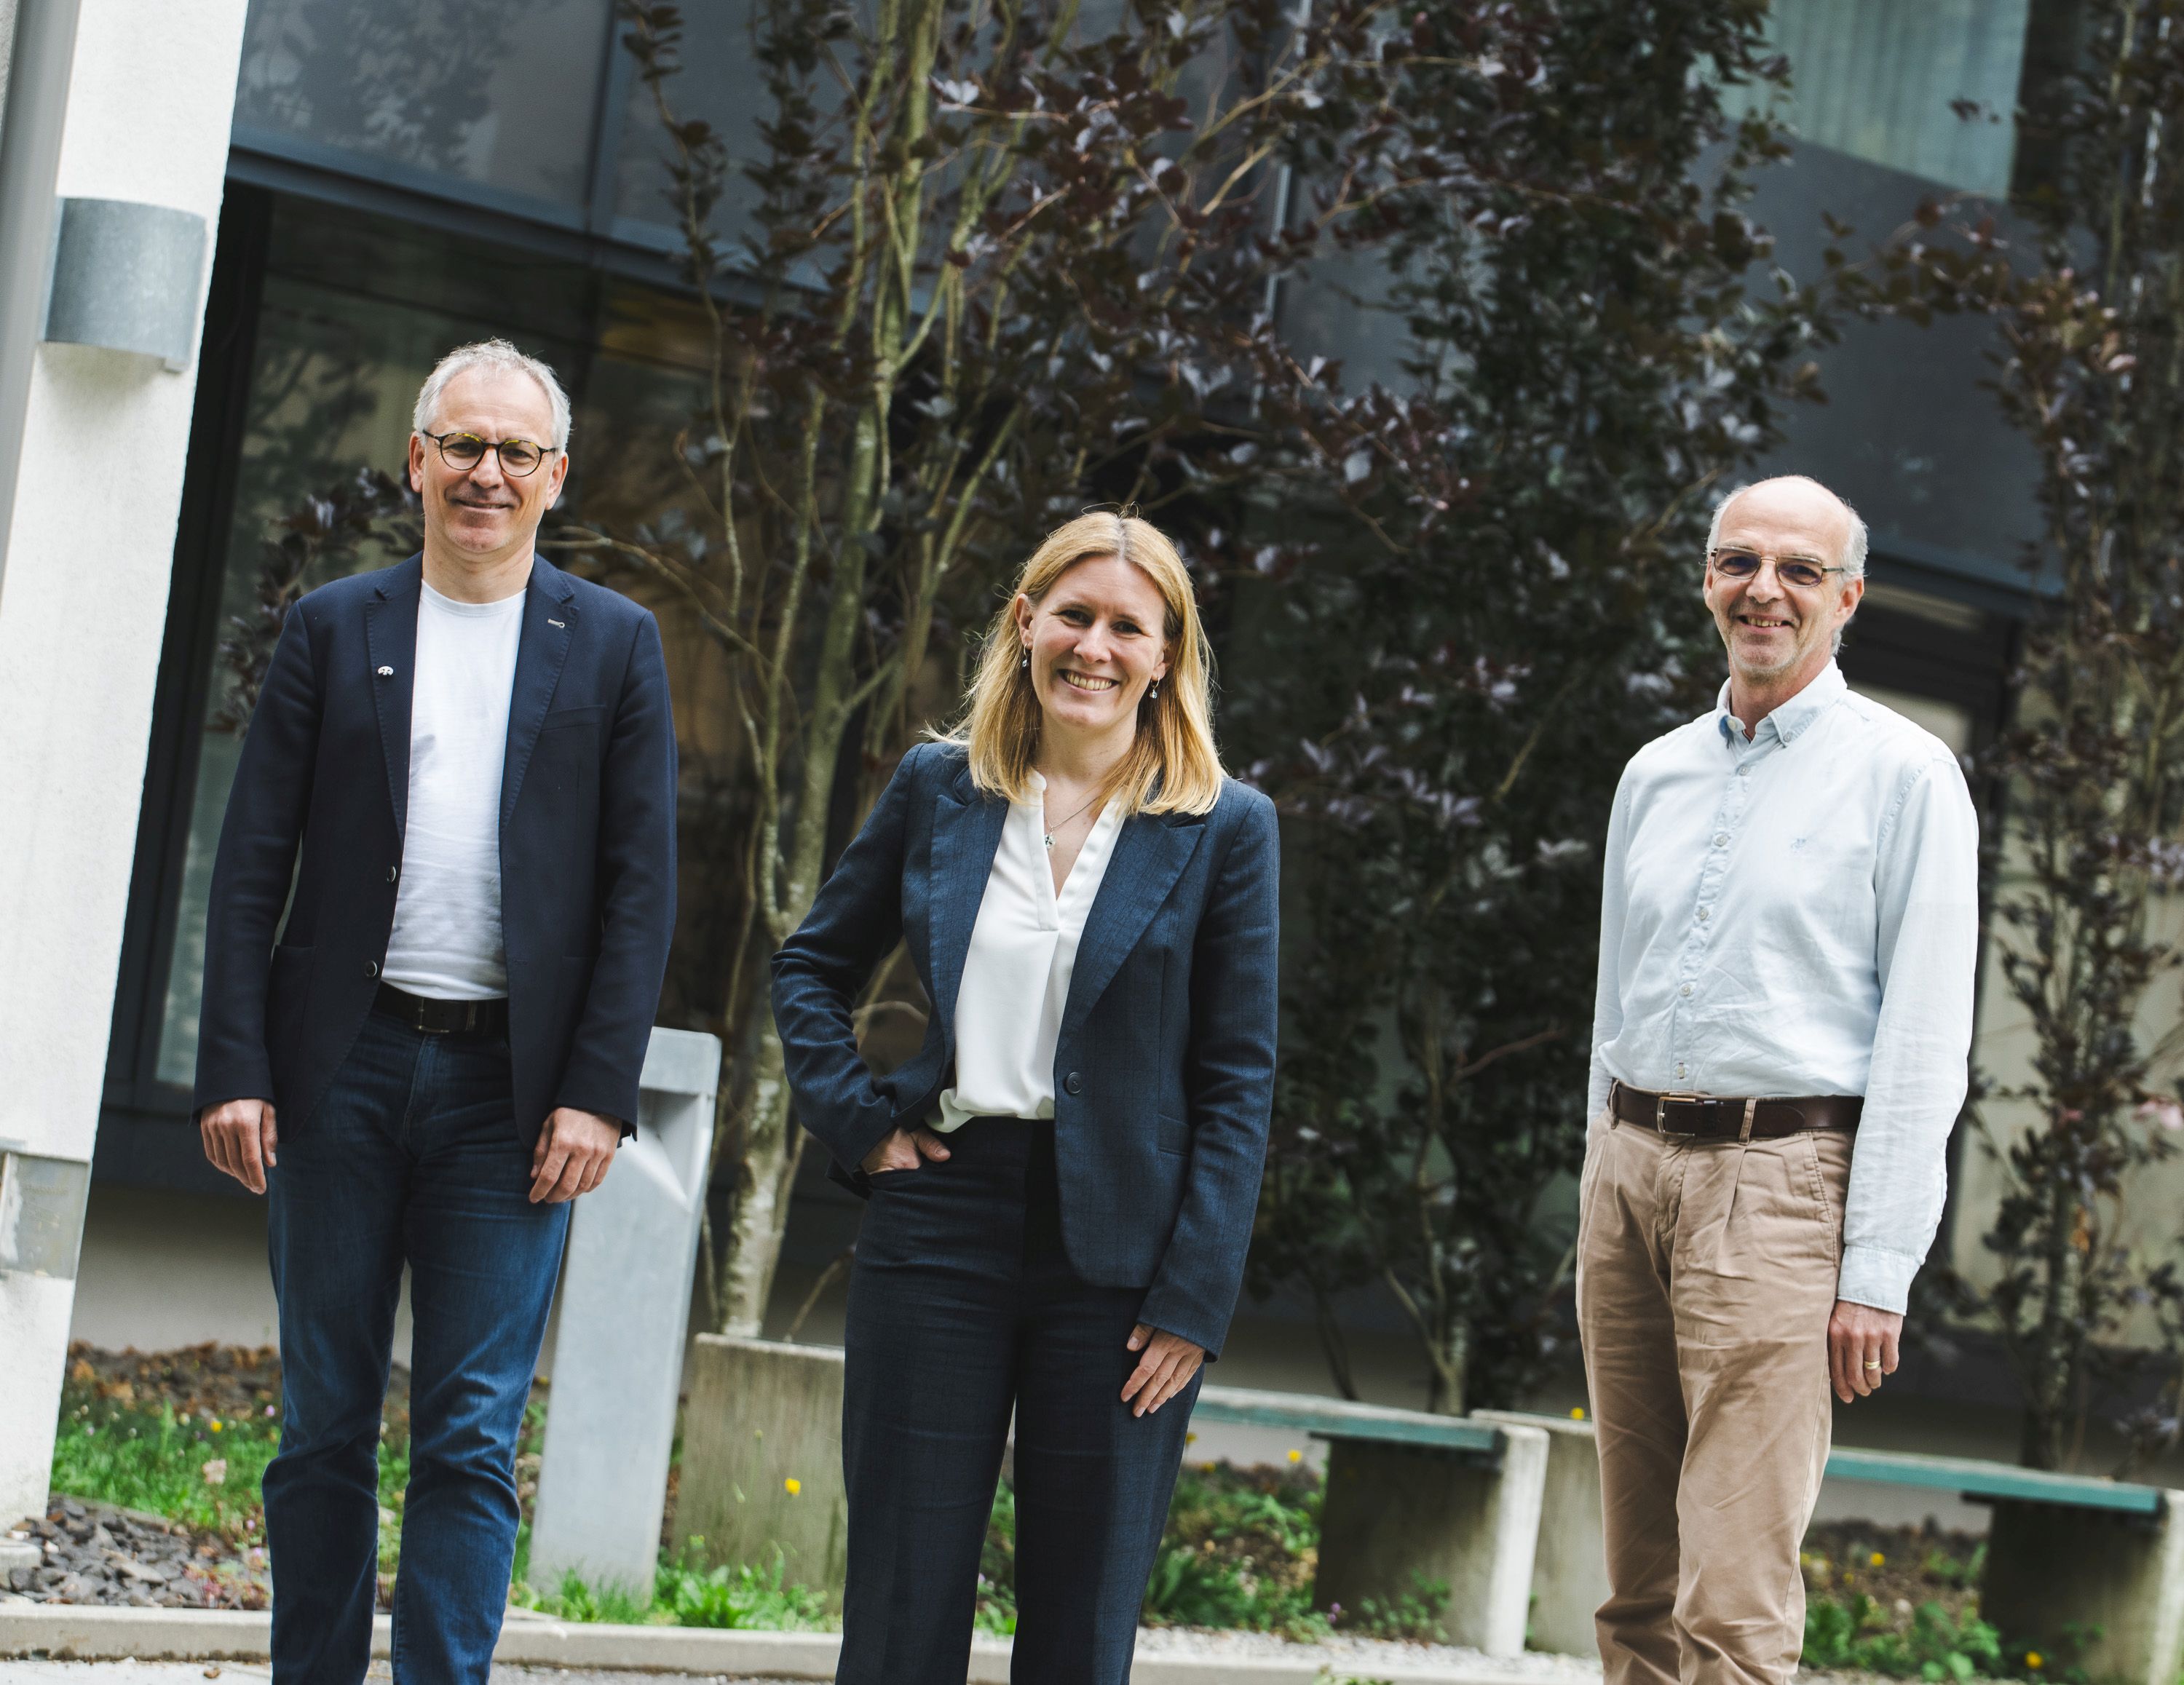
(1073,1083)
(1703,913)
(1679,1073)
(371,968)
(1743,772)
(1685,990)
(1721,839)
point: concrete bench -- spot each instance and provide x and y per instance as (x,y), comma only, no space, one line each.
(2064,1550)
(1411,1496)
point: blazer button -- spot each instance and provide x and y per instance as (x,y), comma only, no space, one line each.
(1073,1083)
(392,873)
(371,968)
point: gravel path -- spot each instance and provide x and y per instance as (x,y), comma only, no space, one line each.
(1360,1655)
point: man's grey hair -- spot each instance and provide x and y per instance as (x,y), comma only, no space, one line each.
(490,353)
(1853,559)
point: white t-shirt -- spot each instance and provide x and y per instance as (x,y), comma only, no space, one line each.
(1017,972)
(447,939)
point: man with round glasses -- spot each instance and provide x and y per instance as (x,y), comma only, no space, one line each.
(1788,925)
(465,765)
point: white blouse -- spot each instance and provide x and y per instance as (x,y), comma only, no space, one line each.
(1016,975)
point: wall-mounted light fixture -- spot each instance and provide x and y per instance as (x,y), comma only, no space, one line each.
(125,277)
(41,1204)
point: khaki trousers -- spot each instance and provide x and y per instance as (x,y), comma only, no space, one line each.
(1704,1277)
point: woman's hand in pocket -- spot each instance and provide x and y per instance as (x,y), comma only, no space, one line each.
(905,1149)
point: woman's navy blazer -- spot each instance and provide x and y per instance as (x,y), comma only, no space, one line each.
(1164,1073)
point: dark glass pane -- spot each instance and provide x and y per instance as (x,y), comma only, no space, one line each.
(497,92)
(722,82)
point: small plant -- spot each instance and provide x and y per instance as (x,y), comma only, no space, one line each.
(1857,1632)
(742,1596)
(1413,1616)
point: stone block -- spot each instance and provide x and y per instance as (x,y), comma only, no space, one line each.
(1570,1572)
(1396,1516)
(2052,1570)
(762,1458)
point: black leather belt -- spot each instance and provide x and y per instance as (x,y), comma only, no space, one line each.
(1710,1117)
(442,1017)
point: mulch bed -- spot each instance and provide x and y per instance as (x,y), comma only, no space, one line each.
(1916,1566)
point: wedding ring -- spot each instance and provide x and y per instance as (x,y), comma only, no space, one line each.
(1873,1366)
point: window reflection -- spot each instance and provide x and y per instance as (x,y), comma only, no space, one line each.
(1877,78)
(497,92)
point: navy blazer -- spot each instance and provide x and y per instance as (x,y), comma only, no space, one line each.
(1164,1073)
(586,847)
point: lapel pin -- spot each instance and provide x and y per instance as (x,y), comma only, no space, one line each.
(551,621)
(386,672)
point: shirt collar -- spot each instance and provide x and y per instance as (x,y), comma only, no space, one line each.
(1792,717)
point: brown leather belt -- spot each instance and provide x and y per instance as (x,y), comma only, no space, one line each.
(442,1017)
(1708,1117)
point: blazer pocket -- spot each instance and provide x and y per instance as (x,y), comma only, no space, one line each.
(1175,1134)
(574,716)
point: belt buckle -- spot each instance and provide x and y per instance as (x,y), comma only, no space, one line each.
(1660,1104)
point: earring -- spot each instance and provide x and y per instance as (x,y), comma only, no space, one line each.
(1024,665)
(1153,694)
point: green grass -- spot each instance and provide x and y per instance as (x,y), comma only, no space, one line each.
(203,1472)
(687,1593)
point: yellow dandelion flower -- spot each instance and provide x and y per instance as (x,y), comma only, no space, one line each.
(1190,1438)
(2032,1658)
(213,1424)
(1876,1560)
(792,1486)
(1577,1412)
(1296,1456)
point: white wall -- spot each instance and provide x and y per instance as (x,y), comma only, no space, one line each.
(83,601)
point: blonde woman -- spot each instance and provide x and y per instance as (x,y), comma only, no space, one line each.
(1061,1182)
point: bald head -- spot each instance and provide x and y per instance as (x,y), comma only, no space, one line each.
(1795,501)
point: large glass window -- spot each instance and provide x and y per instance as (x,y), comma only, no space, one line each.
(1927,87)
(503,93)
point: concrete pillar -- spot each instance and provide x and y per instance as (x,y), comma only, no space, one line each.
(89,547)
(618,1335)
(2101,1595)
(1398,1517)
(1570,1573)
(762,1458)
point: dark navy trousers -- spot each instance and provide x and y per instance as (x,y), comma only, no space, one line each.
(413,1158)
(963,1309)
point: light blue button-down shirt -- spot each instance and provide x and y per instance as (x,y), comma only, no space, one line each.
(1799,914)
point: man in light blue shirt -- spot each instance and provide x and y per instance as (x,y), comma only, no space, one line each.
(1789,929)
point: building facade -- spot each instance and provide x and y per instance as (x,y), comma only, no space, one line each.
(392,177)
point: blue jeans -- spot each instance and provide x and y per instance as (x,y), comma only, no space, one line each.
(412,1158)
(963,1310)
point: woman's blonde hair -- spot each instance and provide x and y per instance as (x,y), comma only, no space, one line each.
(1173,767)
